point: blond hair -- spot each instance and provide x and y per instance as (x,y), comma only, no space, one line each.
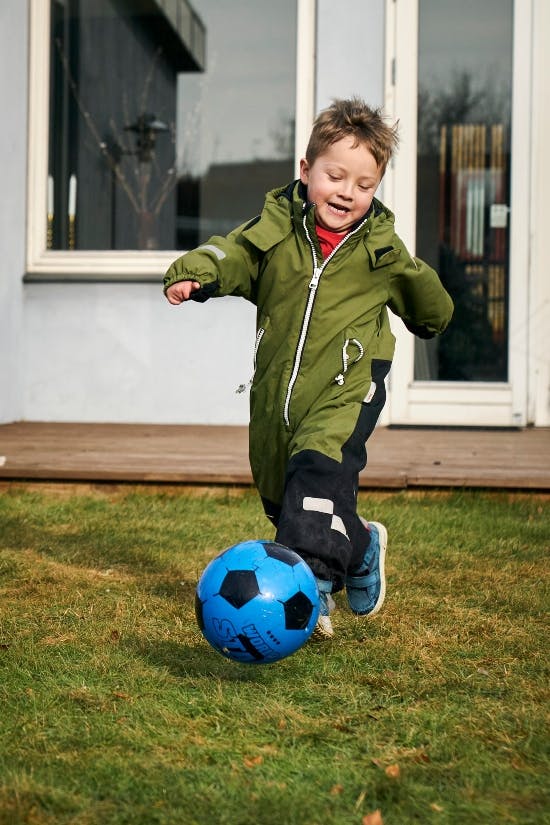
(353,118)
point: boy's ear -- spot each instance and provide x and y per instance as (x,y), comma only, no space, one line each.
(304,171)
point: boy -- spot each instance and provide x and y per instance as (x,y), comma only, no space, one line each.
(321,263)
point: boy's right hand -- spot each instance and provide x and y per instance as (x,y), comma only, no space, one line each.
(181,291)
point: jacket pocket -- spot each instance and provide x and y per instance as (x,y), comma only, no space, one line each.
(383,256)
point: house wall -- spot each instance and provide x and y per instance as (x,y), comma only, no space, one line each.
(350,57)
(121,353)
(13,98)
(118,352)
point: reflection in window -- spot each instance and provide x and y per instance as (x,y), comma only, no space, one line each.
(464,102)
(169,119)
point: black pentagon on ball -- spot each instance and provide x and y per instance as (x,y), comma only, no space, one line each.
(282,553)
(239,587)
(298,610)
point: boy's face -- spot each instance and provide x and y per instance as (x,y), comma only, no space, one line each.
(341,183)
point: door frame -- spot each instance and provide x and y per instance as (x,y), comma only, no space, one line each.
(457,403)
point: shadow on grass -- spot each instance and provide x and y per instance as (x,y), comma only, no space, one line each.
(185,661)
(197,661)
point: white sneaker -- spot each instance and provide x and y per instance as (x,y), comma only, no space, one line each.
(323,629)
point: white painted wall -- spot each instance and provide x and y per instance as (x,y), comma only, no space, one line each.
(13,101)
(350,51)
(122,353)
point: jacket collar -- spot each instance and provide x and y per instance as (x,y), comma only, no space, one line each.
(287,205)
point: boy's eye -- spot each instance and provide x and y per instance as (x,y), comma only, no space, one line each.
(334,177)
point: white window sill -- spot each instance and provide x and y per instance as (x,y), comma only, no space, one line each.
(126,265)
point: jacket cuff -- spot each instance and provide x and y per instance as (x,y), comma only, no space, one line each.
(205,292)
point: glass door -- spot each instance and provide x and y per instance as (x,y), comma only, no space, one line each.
(463,181)
(454,87)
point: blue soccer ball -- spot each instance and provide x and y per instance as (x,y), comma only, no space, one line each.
(257,602)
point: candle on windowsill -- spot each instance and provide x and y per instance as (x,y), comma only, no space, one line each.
(50,214)
(72,210)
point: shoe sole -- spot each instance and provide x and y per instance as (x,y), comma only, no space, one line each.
(383,539)
(322,632)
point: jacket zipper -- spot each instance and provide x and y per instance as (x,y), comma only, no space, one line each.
(313,286)
(259,335)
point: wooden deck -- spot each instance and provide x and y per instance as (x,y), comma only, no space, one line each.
(398,457)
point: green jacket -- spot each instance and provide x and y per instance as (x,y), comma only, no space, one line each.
(319,322)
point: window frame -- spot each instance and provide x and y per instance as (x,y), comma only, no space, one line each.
(49,265)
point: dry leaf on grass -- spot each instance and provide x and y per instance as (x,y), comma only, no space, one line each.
(374,818)
(336,789)
(253,761)
(393,771)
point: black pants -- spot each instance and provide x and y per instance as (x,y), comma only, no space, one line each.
(318,515)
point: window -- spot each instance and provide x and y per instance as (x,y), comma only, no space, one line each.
(155,124)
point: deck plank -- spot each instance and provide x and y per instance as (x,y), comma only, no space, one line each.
(176,454)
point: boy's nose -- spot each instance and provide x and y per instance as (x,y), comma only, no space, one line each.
(346,190)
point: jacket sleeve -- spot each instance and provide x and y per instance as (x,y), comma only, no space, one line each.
(418,296)
(222,266)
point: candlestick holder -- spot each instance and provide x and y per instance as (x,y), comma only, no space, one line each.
(72,232)
(49,231)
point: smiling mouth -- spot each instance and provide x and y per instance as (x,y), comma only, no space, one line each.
(340,210)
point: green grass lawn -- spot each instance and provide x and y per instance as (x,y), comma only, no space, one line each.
(115,709)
